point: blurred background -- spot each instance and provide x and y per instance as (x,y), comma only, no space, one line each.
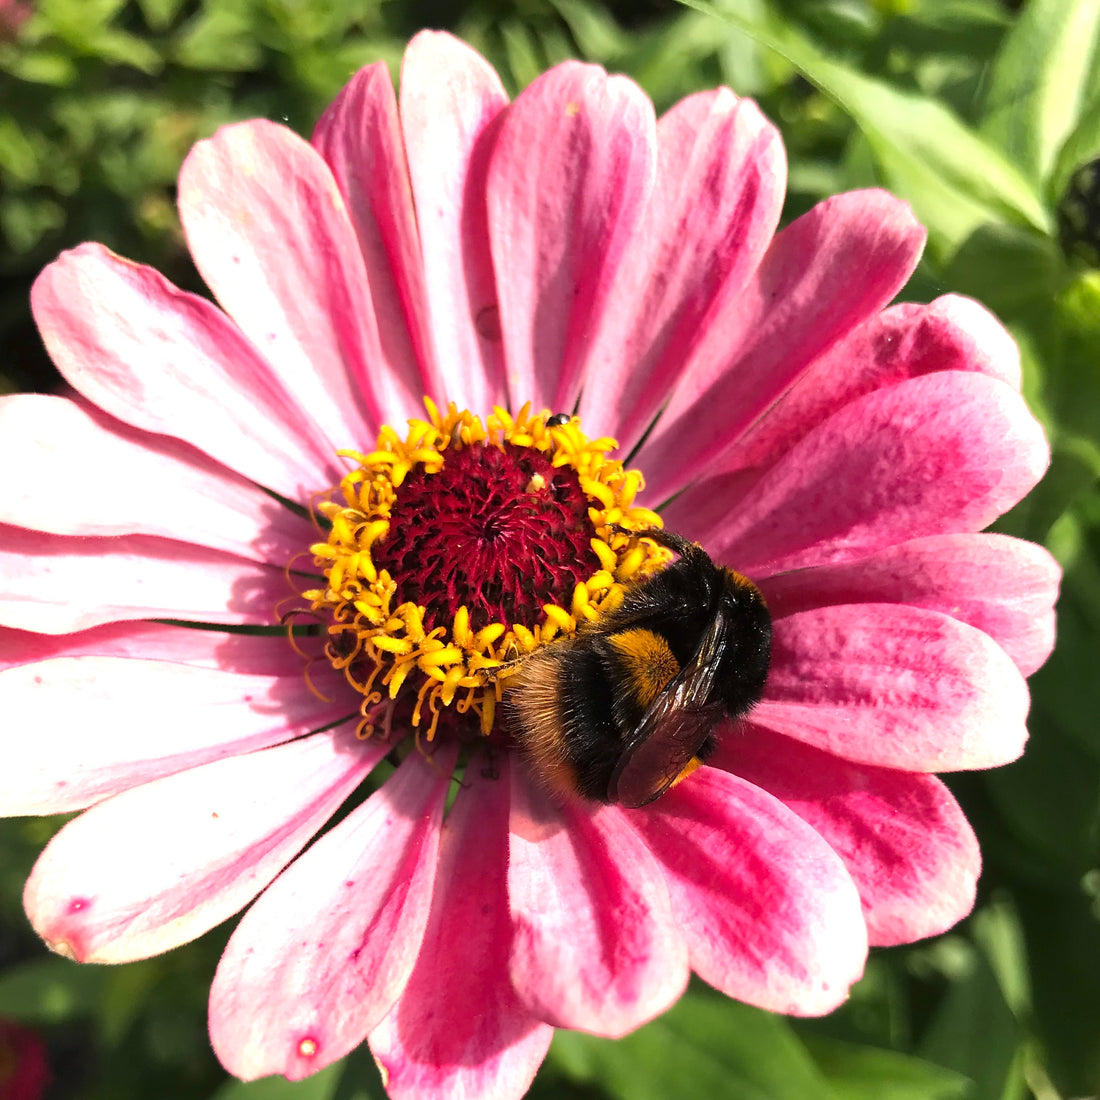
(985,116)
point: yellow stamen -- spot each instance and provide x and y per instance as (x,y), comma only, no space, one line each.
(454,664)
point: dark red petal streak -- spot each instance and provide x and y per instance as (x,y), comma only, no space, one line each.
(903,838)
(1003,586)
(360,137)
(595,947)
(946,452)
(571,171)
(458,1030)
(719,190)
(769,912)
(450,99)
(894,686)
(822,277)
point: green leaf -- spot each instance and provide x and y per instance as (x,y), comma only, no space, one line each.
(119,48)
(520,48)
(1081,147)
(954,180)
(1063,937)
(26,219)
(38,66)
(1064,334)
(160,13)
(361,1079)
(871,1073)
(220,38)
(1047,801)
(1039,80)
(321,1086)
(704,1046)
(1008,268)
(974,1033)
(597,35)
(997,931)
(51,990)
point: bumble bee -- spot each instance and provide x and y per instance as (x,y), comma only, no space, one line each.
(626,707)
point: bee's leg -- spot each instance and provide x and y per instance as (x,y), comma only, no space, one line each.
(676,543)
(503,670)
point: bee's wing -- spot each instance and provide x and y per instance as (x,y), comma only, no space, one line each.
(674,727)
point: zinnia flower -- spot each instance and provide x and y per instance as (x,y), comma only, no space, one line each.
(13,14)
(568,253)
(24,1068)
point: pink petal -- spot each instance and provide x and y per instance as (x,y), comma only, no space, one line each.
(89,727)
(163,863)
(903,838)
(905,341)
(271,237)
(458,1030)
(895,686)
(450,97)
(251,654)
(719,191)
(171,363)
(53,584)
(570,175)
(768,909)
(322,956)
(946,452)
(1003,586)
(822,277)
(122,482)
(595,947)
(360,138)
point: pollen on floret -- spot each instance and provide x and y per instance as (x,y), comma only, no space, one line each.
(460,547)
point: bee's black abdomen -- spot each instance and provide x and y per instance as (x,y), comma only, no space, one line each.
(629,705)
(592,738)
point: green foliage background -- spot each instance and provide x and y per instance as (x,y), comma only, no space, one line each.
(977,112)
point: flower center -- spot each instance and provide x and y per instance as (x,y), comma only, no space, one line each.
(464,546)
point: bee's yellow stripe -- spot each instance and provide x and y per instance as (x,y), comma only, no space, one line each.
(647,662)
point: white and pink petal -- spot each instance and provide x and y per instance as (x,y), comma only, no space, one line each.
(159,865)
(1003,586)
(719,190)
(250,654)
(821,278)
(450,103)
(942,453)
(271,237)
(360,137)
(323,954)
(894,686)
(171,363)
(770,914)
(903,838)
(569,179)
(71,470)
(904,341)
(595,947)
(458,1030)
(54,584)
(91,727)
